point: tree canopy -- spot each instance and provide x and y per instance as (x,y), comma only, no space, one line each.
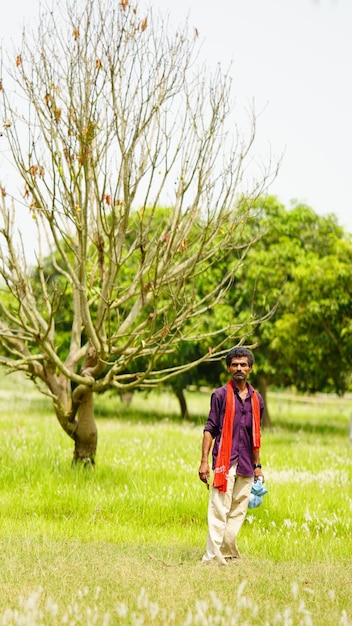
(302,262)
(300,268)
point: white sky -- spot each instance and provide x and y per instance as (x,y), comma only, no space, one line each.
(294,59)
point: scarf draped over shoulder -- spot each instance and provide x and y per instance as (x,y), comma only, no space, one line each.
(222,465)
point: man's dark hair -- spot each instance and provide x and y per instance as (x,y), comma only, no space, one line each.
(237,352)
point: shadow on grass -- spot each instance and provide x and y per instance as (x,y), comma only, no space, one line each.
(145,410)
(316,428)
(146,414)
(161,408)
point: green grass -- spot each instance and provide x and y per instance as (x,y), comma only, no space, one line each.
(122,544)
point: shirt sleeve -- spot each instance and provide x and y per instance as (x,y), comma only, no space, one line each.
(215,417)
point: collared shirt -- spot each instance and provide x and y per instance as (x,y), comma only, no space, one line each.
(242,446)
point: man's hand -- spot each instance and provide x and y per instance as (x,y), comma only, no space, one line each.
(258,472)
(204,472)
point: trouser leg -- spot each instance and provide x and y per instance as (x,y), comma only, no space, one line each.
(218,509)
(236,515)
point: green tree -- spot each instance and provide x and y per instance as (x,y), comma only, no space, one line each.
(106,116)
(302,262)
(300,267)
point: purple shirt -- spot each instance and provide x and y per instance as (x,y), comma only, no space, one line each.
(242,442)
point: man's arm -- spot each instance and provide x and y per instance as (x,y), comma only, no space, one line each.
(204,469)
(257,470)
(256,456)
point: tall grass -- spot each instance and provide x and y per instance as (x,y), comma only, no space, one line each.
(122,544)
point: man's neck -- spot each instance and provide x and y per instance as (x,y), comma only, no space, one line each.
(241,386)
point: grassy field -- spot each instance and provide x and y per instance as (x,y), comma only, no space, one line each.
(123,544)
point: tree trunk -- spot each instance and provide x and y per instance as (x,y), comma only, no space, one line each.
(86,433)
(262,388)
(183,404)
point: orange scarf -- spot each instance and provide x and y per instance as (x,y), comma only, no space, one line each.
(222,465)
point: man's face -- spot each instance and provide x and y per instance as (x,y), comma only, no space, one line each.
(239,368)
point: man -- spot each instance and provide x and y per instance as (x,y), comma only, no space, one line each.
(233,424)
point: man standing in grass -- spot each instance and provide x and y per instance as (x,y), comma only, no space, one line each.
(233,424)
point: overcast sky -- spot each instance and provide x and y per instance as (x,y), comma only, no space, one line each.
(293,58)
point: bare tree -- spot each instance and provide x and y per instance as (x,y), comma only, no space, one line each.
(108,116)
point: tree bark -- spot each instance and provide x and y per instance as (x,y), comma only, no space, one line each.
(183,403)
(86,434)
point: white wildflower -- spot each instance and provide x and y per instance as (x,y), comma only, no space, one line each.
(122,609)
(294,590)
(287,523)
(51,607)
(332,595)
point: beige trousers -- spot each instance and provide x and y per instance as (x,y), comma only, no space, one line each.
(226,514)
